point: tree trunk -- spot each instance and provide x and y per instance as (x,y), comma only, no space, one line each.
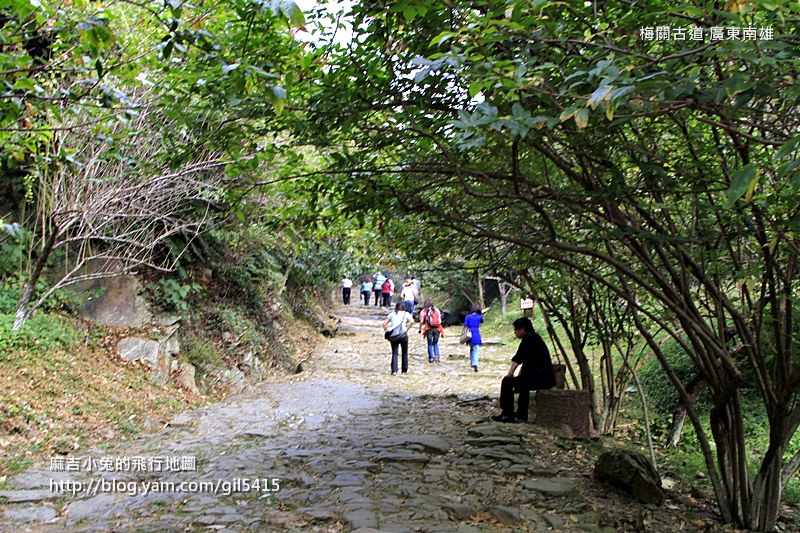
(505,290)
(693,389)
(481,301)
(23,314)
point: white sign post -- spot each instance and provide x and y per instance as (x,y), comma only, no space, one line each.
(527,307)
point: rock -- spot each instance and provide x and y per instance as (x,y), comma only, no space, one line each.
(487,430)
(632,472)
(361,519)
(346,479)
(185,419)
(302,366)
(317,513)
(403,456)
(92,509)
(133,348)
(171,341)
(116,301)
(509,517)
(556,522)
(30,514)
(22,496)
(552,486)
(34,479)
(459,511)
(493,441)
(431,443)
(543,471)
(186,373)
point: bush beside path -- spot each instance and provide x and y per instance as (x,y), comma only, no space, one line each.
(349,447)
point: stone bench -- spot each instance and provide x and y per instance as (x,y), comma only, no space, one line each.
(561,408)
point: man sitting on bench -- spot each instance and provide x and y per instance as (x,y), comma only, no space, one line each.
(535,373)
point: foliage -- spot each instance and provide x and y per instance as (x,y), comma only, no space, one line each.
(169,294)
(677,206)
(42,333)
(658,388)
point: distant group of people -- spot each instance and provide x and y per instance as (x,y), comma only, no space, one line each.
(531,367)
(384,289)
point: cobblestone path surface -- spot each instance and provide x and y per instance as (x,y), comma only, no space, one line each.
(343,446)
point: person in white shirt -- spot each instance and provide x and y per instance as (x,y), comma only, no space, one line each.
(403,321)
(347,286)
(408,295)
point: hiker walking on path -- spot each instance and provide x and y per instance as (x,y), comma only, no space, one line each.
(347,286)
(387,289)
(535,373)
(408,295)
(379,280)
(473,323)
(396,327)
(417,290)
(366,290)
(430,326)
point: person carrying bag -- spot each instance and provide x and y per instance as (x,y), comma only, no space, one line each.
(395,329)
(430,326)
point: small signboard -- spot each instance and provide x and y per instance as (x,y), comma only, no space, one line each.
(526,304)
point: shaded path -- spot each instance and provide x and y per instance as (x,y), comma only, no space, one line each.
(352,446)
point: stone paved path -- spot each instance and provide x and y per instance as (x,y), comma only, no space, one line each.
(351,447)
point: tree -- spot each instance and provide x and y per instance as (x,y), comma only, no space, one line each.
(116,170)
(110,213)
(680,198)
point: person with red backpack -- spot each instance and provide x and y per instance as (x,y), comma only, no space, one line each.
(430,325)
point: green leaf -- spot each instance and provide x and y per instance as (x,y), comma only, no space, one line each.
(24,83)
(474,88)
(603,93)
(228,68)
(796,182)
(742,181)
(787,148)
(290,11)
(567,113)
(442,37)
(787,169)
(582,118)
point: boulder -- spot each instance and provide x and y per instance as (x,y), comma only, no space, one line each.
(115,301)
(186,374)
(133,348)
(632,472)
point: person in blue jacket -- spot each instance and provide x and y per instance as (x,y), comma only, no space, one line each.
(473,323)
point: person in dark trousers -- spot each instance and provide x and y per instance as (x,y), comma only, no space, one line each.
(386,293)
(347,286)
(399,318)
(366,290)
(535,373)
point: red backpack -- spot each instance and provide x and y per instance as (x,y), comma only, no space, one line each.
(433,318)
